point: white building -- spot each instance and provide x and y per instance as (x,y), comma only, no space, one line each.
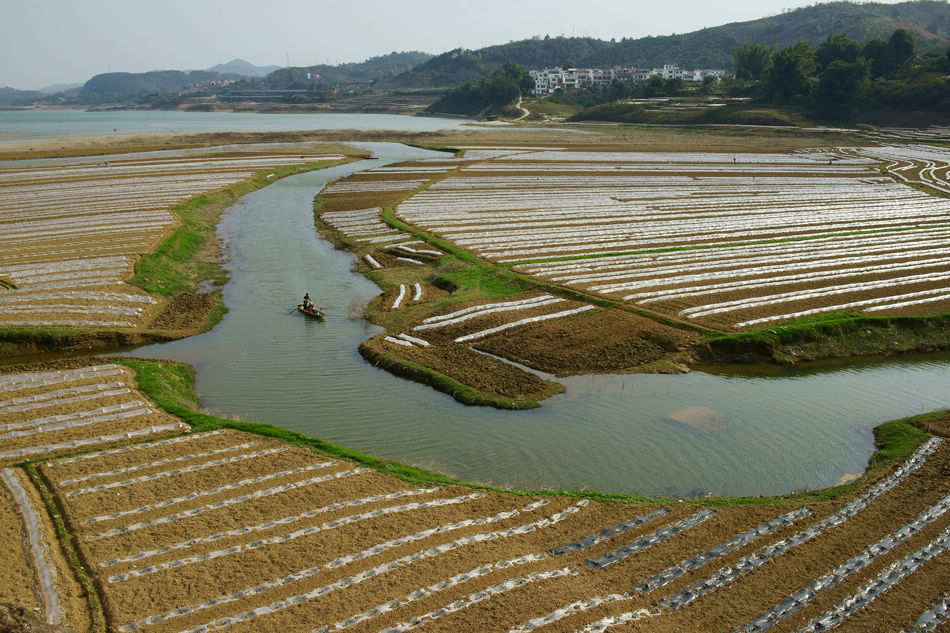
(548,80)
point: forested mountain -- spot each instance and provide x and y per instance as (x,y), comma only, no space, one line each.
(123,86)
(458,66)
(927,20)
(373,69)
(109,86)
(13,97)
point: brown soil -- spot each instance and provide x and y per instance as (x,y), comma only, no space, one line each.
(18,577)
(14,618)
(608,341)
(187,312)
(939,426)
(480,372)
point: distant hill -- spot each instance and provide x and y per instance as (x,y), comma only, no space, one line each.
(13,97)
(928,20)
(124,86)
(244,68)
(48,90)
(373,69)
(119,86)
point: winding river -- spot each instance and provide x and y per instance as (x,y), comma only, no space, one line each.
(772,434)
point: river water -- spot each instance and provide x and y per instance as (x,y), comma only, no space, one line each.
(28,124)
(787,431)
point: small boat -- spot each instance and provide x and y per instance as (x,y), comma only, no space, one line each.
(314,313)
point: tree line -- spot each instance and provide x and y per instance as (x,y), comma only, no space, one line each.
(842,77)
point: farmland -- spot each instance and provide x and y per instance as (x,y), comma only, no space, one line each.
(73,236)
(570,260)
(197,525)
(130,510)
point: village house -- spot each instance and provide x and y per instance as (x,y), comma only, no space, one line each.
(547,80)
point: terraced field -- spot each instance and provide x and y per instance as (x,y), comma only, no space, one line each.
(71,235)
(727,241)
(220,530)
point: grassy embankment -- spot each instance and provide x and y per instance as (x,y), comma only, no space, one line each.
(189,255)
(836,335)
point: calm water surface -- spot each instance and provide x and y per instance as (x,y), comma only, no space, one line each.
(263,362)
(20,124)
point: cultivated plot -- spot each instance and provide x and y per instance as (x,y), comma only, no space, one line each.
(228,531)
(727,241)
(70,235)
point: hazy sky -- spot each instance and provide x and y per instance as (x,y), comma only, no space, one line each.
(45,42)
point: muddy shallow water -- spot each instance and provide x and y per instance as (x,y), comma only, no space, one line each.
(761,433)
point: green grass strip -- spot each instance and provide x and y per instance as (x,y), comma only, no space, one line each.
(63,533)
(172,268)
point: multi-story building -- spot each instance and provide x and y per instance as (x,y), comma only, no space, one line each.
(548,80)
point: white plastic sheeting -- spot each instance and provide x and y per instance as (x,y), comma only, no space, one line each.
(931,619)
(854,564)
(13,382)
(134,447)
(52,398)
(332,507)
(747,564)
(460,316)
(176,471)
(250,481)
(42,563)
(425,592)
(578,606)
(479,596)
(881,583)
(290,536)
(402,295)
(544,317)
(102,439)
(309,572)
(608,533)
(156,464)
(646,542)
(673,572)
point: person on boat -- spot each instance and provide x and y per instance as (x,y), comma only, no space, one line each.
(307,302)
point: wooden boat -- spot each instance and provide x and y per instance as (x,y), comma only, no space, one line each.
(313,313)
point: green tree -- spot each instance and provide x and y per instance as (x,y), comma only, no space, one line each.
(789,74)
(837,47)
(654,85)
(752,58)
(902,46)
(841,85)
(879,54)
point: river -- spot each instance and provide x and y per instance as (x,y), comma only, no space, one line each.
(789,430)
